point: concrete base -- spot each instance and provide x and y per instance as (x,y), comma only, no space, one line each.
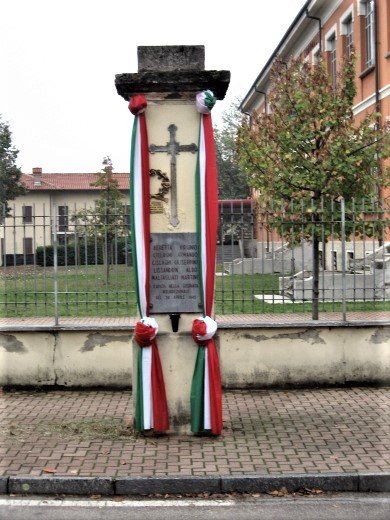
(178,354)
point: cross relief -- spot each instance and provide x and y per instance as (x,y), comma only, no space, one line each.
(173,148)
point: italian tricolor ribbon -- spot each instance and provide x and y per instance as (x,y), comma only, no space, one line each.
(206,394)
(151,410)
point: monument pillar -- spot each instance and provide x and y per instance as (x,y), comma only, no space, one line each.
(163,96)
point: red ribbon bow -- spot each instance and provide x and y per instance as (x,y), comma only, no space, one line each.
(144,334)
(138,104)
(199,328)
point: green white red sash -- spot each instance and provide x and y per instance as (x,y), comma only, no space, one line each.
(151,404)
(206,394)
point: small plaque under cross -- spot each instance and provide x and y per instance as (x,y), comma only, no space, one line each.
(173,148)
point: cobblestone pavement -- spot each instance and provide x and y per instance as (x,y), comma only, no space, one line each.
(266,432)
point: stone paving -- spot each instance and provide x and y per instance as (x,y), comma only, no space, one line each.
(272,432)
(225,321)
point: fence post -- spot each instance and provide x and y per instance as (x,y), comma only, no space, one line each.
(55,262)
(343,259)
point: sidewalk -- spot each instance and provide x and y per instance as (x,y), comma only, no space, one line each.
(274,320)
(266,433)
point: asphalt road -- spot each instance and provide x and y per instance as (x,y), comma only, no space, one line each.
(332,507)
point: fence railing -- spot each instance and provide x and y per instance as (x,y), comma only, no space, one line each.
(73,261)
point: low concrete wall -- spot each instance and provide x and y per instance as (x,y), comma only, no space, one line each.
(251,357)
(259,358)
(66,358)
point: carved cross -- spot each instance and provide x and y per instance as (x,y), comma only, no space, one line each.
(173,148)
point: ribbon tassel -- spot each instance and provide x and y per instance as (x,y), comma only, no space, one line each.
(206,393)
(151,410)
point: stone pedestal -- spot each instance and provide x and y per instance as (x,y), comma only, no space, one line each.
(170,77)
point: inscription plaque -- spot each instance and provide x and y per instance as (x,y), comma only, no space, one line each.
(156,206)
(174,282)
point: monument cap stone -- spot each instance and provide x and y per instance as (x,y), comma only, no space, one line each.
(170,57)
(174,71)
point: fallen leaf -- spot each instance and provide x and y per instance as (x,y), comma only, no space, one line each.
(49,470)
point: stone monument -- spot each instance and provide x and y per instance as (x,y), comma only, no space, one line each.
(171,96)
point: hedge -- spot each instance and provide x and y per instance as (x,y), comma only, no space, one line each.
(82,254)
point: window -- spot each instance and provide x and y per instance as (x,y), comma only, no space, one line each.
(27,214)
(127,215)
(348,37)
(332,58)
(347,30)
(316,55)
(334,260)
(369,33)
(27,246)
(63,219)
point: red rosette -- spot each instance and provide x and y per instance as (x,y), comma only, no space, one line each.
(137,104)
(144,334)
(199,328)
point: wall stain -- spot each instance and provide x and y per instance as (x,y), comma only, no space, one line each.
(380,336)
(96,339)
(11,344)
(311,336)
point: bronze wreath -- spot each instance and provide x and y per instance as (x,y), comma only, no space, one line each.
(165,185)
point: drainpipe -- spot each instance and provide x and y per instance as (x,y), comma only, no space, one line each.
(376,57)
(319,27)
(377,99)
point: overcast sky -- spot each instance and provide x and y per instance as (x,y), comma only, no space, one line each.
(59,59)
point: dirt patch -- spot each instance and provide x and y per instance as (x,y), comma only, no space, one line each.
(83,429)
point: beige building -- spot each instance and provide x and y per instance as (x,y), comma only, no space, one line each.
(46,211)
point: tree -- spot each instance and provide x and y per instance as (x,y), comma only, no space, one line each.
(106,220)
(232,180)
(10,174)
(310,150)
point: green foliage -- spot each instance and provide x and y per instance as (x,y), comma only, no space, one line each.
(309,151)
(81,253)
(232,180)
(106,219)
(10,174)
(308,148)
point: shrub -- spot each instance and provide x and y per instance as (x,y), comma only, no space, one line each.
(83,253)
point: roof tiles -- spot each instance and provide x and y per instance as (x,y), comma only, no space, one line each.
(68,181)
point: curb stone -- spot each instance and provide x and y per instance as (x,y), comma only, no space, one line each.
(267,483)
(44,485)
(374,482)
(3,485)
(61,485)
(174,485)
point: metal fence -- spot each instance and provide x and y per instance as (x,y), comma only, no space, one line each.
(63,260)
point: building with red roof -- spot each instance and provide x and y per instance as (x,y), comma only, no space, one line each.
(47,208)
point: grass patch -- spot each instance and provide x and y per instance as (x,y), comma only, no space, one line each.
(83,429)
(84,291)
